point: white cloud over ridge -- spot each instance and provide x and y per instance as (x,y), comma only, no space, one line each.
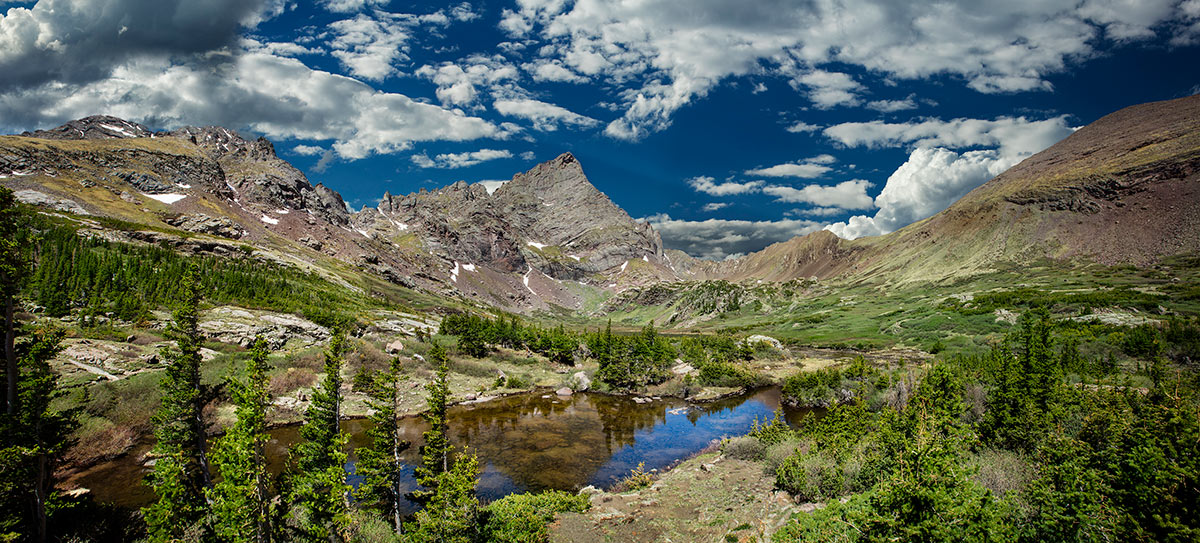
(845,195)
(809,168)
(278,97)
(460,160)
(934,177)
(718,239)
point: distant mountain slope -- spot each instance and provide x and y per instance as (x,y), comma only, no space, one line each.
(548,237)
(1124,189)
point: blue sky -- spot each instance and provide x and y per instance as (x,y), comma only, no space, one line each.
(727,124)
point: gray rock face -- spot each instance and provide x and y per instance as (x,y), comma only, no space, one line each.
(33,197)
(241,326)
(579,382)
(205,224)
(145,182)
(550,218)
(257,174)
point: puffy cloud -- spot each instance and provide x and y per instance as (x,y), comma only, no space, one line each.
(546,70)
(706,185)
(892,106)
(463,12)
(1188,32)
(845,195)
(349,6)
(369,47)
(1013,135)
(928,182)
(718,239)
(79,41)
(829,89)
(458,84)
(275,96)
(715,206)
(490,185)
(545,116)
(460,160)
(308,150)
(934,177)
(814,167)
(815,212)
(669,53)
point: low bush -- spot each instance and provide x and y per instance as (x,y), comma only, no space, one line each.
(744,448)
(523,517)
(812,476)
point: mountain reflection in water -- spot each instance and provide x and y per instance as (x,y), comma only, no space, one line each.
(527,442)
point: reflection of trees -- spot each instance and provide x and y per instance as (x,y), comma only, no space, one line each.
(538,442)
(621,418)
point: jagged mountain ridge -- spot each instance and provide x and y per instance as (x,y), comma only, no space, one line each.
(547,237)
(1121,190)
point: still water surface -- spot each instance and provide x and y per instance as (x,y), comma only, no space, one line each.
(525,442)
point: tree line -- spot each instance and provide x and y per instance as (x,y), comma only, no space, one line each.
(626,361)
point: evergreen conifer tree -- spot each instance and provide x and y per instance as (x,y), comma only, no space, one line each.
(435,453)
(241,500)
(181,471)
(379,463)
(319,490)
(451,514)
(33,441)
(14,266)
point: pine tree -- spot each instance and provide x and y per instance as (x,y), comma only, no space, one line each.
(379,463)
(241,500)
(320,490)
(435,453)
(181,473)
(451,513)
(34,439)
(14,266)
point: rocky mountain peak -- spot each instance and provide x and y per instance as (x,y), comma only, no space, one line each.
(220,142)
(95,127)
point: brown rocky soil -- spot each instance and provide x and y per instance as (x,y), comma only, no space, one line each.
(706,498)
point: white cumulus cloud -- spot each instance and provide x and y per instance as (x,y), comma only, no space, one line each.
(706,185)
(934,176)
(460,160)
(850,194)
(545,116)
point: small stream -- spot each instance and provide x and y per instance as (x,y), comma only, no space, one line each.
(526,442)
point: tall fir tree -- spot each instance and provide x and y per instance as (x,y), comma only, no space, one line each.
(435,453)
(241,499)
(451,509)
(379,463)
(181,471)
(451,514)
(319,490)
(34,440)
(14,266)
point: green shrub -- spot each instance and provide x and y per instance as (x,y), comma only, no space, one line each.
(744,448)
(637,479)
(813,476)
(523,517)
(772,432)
